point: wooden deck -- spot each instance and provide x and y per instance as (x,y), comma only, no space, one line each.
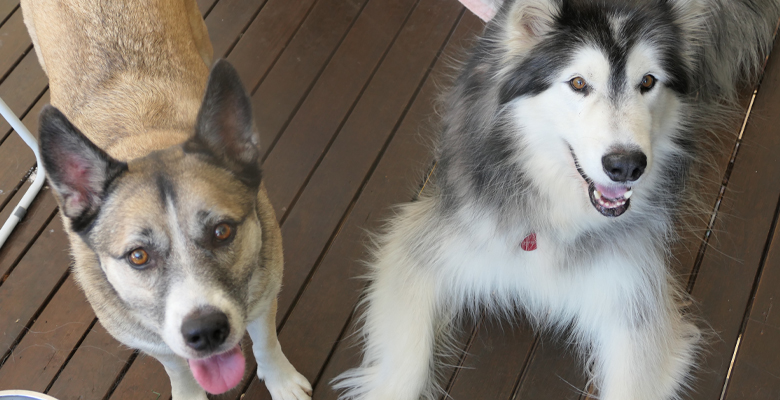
(343,93)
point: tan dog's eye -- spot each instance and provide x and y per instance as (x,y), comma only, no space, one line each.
(578,83)
(138,257)
(222,232)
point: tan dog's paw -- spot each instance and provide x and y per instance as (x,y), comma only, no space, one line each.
(288,385)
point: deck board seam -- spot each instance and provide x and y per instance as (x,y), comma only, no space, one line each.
(122,374)
(244,29)
(524,370)
(370,172)
(15,63)
(753,291)
(461,359)
(24,114)
(28,325)
(70,355)
(281,52)
(27,247)
(348,114)
(10,14)
(302,99)
(727,174)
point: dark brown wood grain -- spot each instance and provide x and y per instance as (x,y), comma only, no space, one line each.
(315,324)
(146,379)
(729,267)
(92,370)
(41,209)
(265,39)
(494,362)
(322,113)
(6,8)
(756,371)
(227,20)
(394,181)
(31,282)
(38,357)
(22,87)
(556,373)
(284,88)
(16,42)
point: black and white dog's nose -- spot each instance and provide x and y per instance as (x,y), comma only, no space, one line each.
(624,166)
(205,331)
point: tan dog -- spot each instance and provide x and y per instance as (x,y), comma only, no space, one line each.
(175,243)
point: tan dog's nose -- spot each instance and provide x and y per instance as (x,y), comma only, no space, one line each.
(205,331)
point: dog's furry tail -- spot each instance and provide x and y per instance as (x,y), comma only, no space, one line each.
(735,36)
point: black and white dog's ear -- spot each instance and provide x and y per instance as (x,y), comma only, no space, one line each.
(530,20)
(77,169)
(224,126)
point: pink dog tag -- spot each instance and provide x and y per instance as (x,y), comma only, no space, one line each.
(529,243)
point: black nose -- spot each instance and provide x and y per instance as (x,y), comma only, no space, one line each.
(204,331)
(622,166)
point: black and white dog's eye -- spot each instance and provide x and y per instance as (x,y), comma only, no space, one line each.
(648,81)
(578,83)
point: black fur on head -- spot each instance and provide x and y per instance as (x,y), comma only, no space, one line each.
(577,23)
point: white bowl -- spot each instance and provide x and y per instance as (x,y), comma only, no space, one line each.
(23,395)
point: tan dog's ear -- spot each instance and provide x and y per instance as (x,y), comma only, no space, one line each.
(224,127)
(79,171)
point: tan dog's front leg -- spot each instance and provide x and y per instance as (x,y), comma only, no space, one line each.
(281,378)
(183,384)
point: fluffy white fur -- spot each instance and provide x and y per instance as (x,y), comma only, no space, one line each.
(455,251)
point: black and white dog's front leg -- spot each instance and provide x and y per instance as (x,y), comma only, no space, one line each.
(281,378)
(644,359)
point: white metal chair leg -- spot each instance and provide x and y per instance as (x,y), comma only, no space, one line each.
(40,177)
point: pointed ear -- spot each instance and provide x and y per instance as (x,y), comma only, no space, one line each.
(225,127)
(527,22)
(78,171)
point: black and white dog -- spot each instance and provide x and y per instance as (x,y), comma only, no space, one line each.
(567,147)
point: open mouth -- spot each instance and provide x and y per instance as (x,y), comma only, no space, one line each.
(219,373)
(610,201)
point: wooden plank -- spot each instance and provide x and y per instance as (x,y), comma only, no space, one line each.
(15,42)
(329,297)
(288,82)
(322,114)
(494,362)
(31,282)
(756,373)
(6,8)
(227,20)
(728,269)
(41,209)
(403,165)
(266,38)
(20,90)
(16,158)
(39,356)
(557,373)
(205,5)
(91,372)
(146,379)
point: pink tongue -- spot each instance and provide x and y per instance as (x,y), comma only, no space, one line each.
(611,192)
(220,373)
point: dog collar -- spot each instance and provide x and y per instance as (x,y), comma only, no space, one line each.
(529,242)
